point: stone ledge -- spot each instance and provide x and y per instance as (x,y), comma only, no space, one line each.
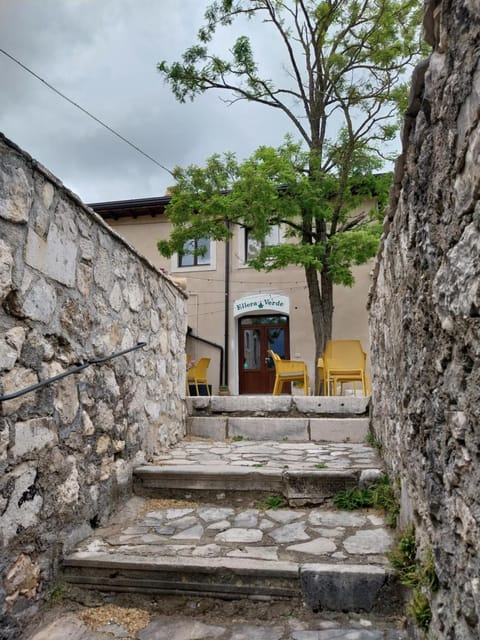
(346,587)
(291,428)
(293,406)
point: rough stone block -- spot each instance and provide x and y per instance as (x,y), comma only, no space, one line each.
(338,429)
(16,191)
(250,404)
(8,356)
(350,405)
(215,428)
(293,429)
(40,301)
(55,257)
(197,402)
(24,504)
(6,264)
(34,435)
(23,578)
(14,380)
(341,587)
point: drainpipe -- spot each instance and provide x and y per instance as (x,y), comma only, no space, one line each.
(227,305)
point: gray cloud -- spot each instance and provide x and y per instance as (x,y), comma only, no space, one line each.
(103,55)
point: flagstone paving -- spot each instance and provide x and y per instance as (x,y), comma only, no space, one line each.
(271,454)
(209,531)
(227,530)
(159,627)
(217,530)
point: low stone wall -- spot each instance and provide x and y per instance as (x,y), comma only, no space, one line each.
(425,317)
(72,290)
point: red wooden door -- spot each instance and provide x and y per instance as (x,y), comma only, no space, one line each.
(258,334)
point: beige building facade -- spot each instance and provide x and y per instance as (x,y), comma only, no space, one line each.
(235,314)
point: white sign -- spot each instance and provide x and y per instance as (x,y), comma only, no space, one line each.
(261,303)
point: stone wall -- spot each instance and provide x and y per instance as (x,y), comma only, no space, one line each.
(71,290)
(425,316)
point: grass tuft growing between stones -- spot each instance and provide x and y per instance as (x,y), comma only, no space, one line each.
(417,574)
(372,441)
(377,496)
(272,502)
(57,593)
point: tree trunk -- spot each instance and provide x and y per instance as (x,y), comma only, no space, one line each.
(327,306)
(321,309)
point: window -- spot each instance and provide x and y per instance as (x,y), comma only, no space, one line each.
(253,247)
(188,259)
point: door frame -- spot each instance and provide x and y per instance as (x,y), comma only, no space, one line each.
(266,381)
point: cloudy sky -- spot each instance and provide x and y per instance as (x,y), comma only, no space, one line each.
(102,54)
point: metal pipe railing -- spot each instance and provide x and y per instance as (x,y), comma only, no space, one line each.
(69,372)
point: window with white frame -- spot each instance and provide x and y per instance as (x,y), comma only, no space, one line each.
(252,246)
(189,259)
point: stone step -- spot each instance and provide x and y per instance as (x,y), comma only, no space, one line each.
(323,586)
(333,560)
(297,487)
(255,405)
(301,473)
(293,429)
(234,519)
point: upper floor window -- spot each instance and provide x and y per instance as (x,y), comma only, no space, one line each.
(253,246)
(189,259)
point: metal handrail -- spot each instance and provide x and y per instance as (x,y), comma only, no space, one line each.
(69,372)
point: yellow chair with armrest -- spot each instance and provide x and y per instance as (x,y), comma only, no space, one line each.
(344,361)
(198,375)
(288,371)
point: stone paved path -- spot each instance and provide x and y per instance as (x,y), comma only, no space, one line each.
(252,532)
(231,529)
(271,454)
(72,627)
(239,530)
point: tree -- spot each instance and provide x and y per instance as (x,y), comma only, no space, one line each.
(343,92)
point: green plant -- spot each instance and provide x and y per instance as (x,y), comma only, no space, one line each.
(321,465)
(57,593)
(403,557)
(429,575)
(378,496)
(351,499)
(272,502)
(420,609)
(372,441)
(416,574)
(237,438)
(384,498)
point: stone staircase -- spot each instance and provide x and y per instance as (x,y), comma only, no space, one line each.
(242,508)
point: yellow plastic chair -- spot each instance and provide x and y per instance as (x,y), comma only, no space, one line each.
(344,361)
(198,375)
(288,371)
